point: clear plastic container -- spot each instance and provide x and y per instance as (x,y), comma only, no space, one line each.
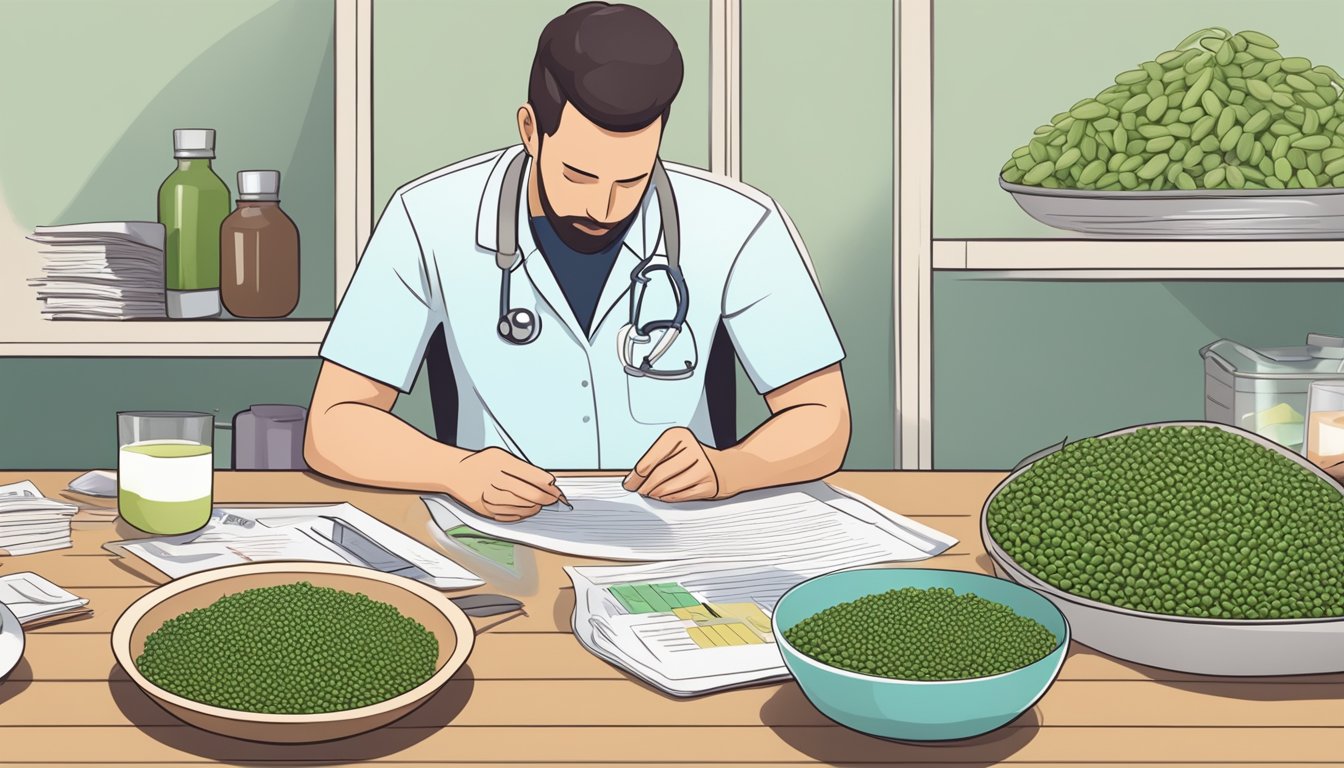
(1265,390)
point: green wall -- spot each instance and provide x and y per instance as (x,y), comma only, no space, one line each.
(60,413)
(817,135)
(1003,67)
(1018,365)
(93,91)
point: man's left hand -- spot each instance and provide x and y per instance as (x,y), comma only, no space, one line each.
(677,467)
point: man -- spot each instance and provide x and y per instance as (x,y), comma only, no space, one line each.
(533,331)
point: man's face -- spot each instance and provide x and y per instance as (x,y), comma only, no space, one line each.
(591,180)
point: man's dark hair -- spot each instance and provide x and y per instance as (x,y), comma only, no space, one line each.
(616,64)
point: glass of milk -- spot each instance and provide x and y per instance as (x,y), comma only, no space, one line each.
(165,470)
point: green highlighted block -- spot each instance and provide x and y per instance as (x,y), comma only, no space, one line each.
(652,598)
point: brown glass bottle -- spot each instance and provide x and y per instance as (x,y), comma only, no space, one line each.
(259,251)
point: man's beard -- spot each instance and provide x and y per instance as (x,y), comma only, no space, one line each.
(571,235)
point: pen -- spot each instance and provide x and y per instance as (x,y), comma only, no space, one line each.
(563,499)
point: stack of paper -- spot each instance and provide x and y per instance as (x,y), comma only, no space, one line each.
(101,271)
(36,601)
(31,523)
(699,620)
(338,533)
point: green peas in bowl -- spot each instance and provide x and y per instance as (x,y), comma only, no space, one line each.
(918,654)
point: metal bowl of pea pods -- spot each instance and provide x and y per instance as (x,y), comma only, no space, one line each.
(1221,137)
(1181,643)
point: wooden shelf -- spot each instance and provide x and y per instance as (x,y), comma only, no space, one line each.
(1080,259)
(163,338)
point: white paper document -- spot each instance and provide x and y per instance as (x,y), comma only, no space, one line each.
(612,523)
(711,630)
(339,533)
(33,598)
(30,522)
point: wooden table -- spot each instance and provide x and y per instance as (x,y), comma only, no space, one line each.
(530,694)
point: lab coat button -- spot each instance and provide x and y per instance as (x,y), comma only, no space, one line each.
(586,419)
(583,383)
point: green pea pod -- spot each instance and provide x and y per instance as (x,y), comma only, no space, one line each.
(1220,89)
(1201,34)
(1242,111)
(1057,142)
(1295,116)
(1197,89)
(1230,138)
(1198,62)
(1131,77)
(1184,181)
(1209,143)
(1089,110)
(1154,167)
(1105,124)
(1280,148)
(1153,130)
(1311,99)
(1238,42)
(1283,100)
(1167,57)
(1234,176)
(1173,76)
(1159,144)
(1210,103)
(1021,151)
(1089,145)
(1173,170)
(1244,145)
(1311,122)
(1258,122)
(1155,87)
(1283,170)
(1135,146)
(1332,154)
(1335,167)
(1153,70)
(1266,167)
(1130,164)
(1295,64)
(1202,127)
(1223,55)
(1315,164)
(1258,38)
(1130,121)
(1179,130)
(1262,53)
(1236,97)
(1136,102)
(1179,151)
(1075,133)
(1312,143)
(1193,157)
(1252,69)
(1259,89)
(1297,158)
(1092,172)
(1215,177)
(1330,73)
(1253,174)
(1106,143)
(1119,138)
(1318,79)
(1282,128)
(1300,83)
(1068,158)
(1130,180)
(1272,73)
(1257,153)
(1107,179)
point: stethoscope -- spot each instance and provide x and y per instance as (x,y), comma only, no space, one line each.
(523,326)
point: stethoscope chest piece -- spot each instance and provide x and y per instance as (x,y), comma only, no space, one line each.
(520,326)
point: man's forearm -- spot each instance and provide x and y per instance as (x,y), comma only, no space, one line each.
(362,444)
(798,444)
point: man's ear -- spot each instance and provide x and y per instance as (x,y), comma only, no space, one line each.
(527,130)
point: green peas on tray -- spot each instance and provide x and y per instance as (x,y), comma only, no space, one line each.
(1232,96)
(290,649)
(922,634)
(1187,521)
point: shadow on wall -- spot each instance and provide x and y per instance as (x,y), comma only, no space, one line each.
(267,87)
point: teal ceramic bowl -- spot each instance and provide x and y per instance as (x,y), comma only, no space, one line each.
(915,710)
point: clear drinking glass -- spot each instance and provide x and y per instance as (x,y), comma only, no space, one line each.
(1325,425)
(165,470)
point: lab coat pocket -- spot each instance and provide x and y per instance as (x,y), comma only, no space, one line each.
(667,402)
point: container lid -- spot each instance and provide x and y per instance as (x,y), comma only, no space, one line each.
(194,142)
(1320,356)
(258,185)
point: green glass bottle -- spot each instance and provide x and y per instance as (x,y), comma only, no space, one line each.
(193,202)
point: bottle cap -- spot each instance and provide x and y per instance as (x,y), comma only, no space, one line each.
(194,142)
(258,185)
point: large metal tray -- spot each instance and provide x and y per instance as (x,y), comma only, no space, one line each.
(1219,214)
(1200,646)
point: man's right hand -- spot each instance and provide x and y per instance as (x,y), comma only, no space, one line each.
(496,484)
